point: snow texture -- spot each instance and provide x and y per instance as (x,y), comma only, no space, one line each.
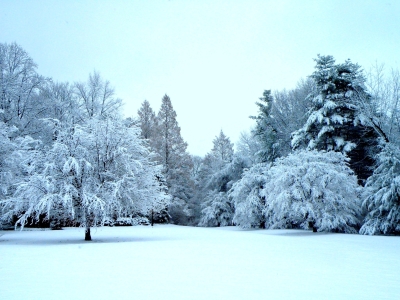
(172,262)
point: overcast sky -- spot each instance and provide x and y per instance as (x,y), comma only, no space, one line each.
(213,58)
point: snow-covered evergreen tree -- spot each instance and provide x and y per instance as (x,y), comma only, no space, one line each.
(147,121)
(219,170)
(312,189)
(335,120)
(382,194)
(264,130)
(279,114)
(222,148)
(176,162)
(217,210)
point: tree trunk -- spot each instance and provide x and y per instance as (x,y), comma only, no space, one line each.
(311,224)
(88,237)
(152,217)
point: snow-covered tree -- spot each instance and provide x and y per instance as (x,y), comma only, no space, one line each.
(218,172)
(222,148)
(383,110)
(312,189)
(382,194)
(335,120)
(19,86)
(91,172)
(96,97)
(246,197)
(247,148)
(176,161)
(7,146)
(217,210)
(280,113)
(264,130)
(147,121)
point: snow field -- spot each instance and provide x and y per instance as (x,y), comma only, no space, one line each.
(174,262)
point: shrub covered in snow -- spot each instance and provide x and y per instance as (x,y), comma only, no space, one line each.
(217,210)
(246,197)
(127,221)
(314,190)
(308,189)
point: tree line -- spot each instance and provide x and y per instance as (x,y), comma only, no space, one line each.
(323,156)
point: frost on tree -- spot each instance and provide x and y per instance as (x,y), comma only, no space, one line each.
(335,121)
(217,210)
(92,172)
(247,199)
(96,97)
(220,168)
(176,161)
(382,194)
(147,121)
(312,189)
(279,114)
(19,86)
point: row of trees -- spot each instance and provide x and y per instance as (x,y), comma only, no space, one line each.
(324,155)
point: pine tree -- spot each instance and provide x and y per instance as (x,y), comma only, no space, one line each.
(264,130)
(217,210)
(217,175)
(279,114)
(222,148)
(382,194)
(176,162)
(147,120)
(335,120)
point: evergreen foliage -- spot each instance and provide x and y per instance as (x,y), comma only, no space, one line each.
(219,170)
(335,121)
(280,113)
(382,194)
(147,121)
(217,210)
(177,164)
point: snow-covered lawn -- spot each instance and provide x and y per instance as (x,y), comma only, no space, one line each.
(173,262)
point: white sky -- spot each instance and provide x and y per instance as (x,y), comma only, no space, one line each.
(213,58)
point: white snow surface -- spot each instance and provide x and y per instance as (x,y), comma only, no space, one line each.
(174,262)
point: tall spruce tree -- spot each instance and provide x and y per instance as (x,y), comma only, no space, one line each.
(176,162)
(382,194)
(217,175)
(147,120)
(335,120)
(279,114)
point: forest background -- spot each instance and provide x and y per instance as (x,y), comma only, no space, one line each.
(70,154)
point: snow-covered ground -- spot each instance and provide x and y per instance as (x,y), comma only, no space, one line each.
(173,262)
